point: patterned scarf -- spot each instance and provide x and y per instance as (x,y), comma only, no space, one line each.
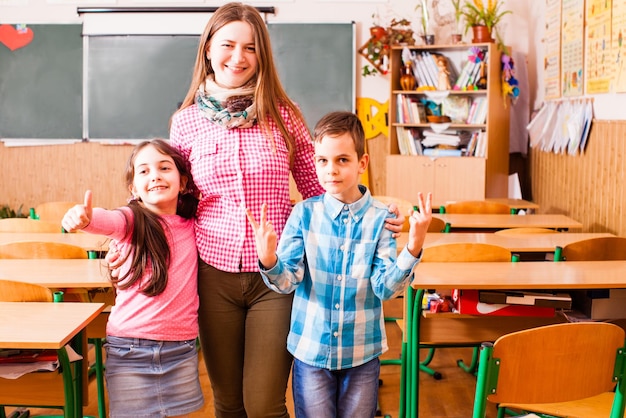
(230,108)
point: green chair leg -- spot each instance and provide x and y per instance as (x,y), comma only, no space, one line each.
(473,366)
(99,367)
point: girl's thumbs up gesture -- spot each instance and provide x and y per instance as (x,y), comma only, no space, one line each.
(79,216)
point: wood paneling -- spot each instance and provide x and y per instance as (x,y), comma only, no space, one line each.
(35,174)
(589,187)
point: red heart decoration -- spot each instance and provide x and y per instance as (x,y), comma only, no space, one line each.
(13,38)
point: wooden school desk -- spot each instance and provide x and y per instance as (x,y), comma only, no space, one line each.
(522,243)
(90,242)
(480,221)
(469,329)
(57,273)
(35,325)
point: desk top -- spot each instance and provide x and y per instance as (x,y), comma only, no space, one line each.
(522,275)
(64,273)
(508,221)
(519,243)
(89,242)
(43,324)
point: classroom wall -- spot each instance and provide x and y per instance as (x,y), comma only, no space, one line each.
(589,187)
(571,185)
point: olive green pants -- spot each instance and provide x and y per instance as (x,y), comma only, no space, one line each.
(243,333)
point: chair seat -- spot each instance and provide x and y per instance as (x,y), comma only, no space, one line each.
(596,406)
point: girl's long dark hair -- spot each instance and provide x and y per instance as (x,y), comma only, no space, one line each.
(148,236)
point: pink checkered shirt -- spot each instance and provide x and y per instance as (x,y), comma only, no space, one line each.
(237,169)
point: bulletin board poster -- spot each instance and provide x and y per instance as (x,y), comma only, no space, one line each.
(599,65)
(618,47)
(572,47)
(552,62)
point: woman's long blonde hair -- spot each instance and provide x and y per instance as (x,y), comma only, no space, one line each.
(269,92)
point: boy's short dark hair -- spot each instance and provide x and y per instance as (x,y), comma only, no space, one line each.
(340,122)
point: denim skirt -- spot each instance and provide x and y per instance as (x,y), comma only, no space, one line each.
(147,378)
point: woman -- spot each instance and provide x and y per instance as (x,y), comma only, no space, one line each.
(243,136)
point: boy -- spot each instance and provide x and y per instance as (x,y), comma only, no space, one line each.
(341,262)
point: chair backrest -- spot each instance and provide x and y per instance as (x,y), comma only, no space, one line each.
(556,363)
(404,207)
(478,207)
(53,211)
(465,252)
(521,231)
(28,225)
(12,291)
(596,249)
(41,249)
(437,225)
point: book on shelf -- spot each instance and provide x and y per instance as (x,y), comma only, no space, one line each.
(447,137)
(459,84)
(442,152)
(409,142)
(478,111)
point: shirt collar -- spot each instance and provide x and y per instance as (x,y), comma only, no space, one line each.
(357,209)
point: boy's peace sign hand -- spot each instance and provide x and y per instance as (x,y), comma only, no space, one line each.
(79,216)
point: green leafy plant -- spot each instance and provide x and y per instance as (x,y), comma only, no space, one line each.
(476,13)
(7,212)
(423,7)
(458,13)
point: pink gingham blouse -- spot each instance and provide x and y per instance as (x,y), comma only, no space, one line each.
(237,169)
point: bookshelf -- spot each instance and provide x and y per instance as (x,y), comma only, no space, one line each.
(449,174)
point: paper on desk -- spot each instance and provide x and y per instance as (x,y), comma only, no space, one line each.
(16,370)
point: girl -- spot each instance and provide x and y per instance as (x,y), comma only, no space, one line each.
(152,364)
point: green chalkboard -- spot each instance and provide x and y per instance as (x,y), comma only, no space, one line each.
(41,85)
(136,82)
(316,65)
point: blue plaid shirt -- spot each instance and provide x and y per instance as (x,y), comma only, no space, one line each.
(341,262)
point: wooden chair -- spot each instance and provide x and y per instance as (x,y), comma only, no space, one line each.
(564,370)
(437,225)
(52,250)
(53,211)
(477,206)
(595,249)
(521,231)
(404,206)
(40,389)
(459,252)
(41,250)
(28,225)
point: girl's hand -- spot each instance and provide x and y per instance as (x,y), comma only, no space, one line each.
(79,216)
(395,224)
(265,238)
(419,222)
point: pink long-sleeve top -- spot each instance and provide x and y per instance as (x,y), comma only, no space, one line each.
(171,315)
(237,169)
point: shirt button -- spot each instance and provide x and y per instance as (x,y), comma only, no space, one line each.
(339,278)
(336,306)
(336,334)
(345,207)
(356,218)
(345,221)
(341,248)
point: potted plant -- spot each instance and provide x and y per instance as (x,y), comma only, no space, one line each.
(457,36)
(482,18)
(427,36)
